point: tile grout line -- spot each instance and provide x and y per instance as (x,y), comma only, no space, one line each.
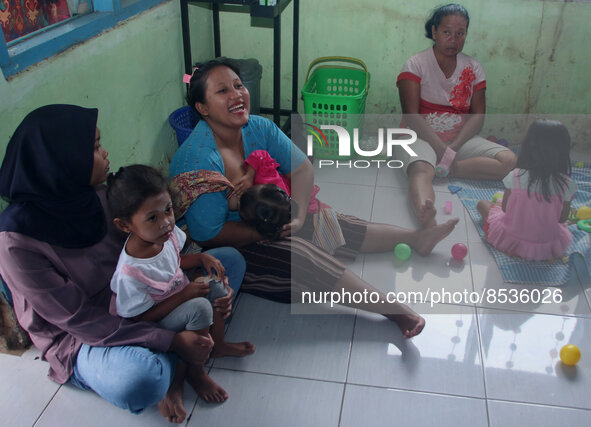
(47,405)
(348,367)
(583,288)
(574,408)
(483,370)
(407,390)
(270,374)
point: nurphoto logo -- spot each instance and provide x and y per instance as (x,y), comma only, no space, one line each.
(391,135)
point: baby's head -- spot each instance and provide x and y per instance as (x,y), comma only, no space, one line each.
(267,208)
(140,202)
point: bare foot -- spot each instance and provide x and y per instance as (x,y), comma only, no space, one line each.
(234,349)
(426,214)
(171,407)
(427,238)
(206,388)
(410,324)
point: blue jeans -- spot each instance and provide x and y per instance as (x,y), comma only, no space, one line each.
(134,377)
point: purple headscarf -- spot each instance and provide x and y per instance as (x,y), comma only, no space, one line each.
(45,176)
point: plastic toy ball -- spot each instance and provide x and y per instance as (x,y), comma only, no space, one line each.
(497,197)
(459,251)
(402,251)
(584,212)
(580,165)
(570,354)
(585,225)
(503,142)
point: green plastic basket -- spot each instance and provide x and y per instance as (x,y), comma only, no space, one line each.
(335,95)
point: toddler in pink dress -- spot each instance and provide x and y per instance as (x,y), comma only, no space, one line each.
(536,202)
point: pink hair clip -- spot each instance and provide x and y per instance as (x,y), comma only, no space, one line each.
(187,77)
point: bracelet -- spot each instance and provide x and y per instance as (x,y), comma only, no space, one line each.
(442,169)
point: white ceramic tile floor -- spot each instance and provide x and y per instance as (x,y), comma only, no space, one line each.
(369,407)
(496,365)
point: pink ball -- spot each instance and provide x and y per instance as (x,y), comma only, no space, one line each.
(459,251)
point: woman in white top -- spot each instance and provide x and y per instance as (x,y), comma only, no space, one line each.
(442,92)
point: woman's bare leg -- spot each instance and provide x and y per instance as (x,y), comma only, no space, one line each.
(485,167)
(422,195)
(385,237)
(409,322)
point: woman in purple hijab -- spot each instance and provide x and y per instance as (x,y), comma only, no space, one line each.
(58,251)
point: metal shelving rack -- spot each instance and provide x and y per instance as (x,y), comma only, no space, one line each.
(256,11)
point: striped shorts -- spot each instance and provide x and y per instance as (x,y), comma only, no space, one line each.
(276,270)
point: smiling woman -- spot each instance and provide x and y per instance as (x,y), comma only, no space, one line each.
(221,142)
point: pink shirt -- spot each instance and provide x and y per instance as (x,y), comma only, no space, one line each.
(444,100)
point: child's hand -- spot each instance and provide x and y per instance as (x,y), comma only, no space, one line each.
(213,266)
(245,182)
(197,289)
(223,304)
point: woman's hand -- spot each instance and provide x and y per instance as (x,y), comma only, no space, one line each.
(223,304)
(291,228)
(439,148)
(191,347)
(455,145)
(213,266)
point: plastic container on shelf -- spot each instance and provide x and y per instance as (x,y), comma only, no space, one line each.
(251,73)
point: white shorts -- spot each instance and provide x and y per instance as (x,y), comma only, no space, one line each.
(474,147)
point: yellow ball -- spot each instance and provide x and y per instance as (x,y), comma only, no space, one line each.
(584,212)
(570,354)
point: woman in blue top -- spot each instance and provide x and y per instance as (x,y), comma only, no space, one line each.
(223,138)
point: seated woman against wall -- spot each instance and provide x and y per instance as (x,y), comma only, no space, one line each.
(224,137)
(442,92)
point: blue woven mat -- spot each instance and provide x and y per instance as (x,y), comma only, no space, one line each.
(516,270)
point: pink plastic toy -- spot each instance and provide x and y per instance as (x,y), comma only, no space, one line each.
(448,207)
(459,251)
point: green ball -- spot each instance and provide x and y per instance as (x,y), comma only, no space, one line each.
(497,196)
(402,251)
